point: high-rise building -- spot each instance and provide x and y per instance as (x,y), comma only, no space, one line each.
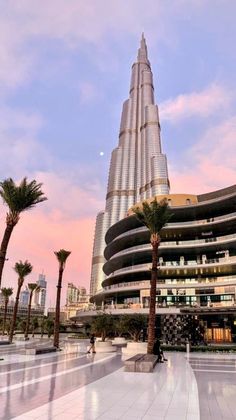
(71,294)
(24,296)
(77,299)
(40,296)
(138,168)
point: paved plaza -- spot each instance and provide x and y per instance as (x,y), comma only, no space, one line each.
(71,384)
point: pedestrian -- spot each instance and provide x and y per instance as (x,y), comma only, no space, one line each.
(92,344)
(158,351)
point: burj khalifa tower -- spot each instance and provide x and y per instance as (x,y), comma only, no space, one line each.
(138,168)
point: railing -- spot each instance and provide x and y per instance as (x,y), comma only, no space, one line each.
(168,284)
(174,264)
(136,306)
(181,224)
(195,242)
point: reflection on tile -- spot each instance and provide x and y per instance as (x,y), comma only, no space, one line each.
(73,385)
(102,390)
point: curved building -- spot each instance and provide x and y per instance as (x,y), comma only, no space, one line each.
(197,255)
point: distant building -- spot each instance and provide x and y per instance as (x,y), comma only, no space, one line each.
(76,299)
(40,296)
(22,311)
(24,297)
(52,311)
(71,294)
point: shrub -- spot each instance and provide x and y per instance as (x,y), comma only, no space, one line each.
(103,325)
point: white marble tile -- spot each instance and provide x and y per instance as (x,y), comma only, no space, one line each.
(127,396)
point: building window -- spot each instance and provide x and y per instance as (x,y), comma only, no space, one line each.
(188,201)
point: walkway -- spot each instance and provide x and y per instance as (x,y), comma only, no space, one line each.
(78,386)
(96,387)
(216,379)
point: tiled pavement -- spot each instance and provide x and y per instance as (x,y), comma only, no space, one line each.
(216,379)
(79,386)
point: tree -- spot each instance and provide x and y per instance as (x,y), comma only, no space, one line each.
(49,326)
(133,324)
(34,323)
(18,198)
(103,325)
(42,325)
(21,325)
(62,256)
(33,287)
(23,270)
(6,292)
(154,216)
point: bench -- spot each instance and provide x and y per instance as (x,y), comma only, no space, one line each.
(39,350)
(141,363)
(4,342)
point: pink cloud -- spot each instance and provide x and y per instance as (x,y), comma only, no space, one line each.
(210,163)
(37,236)
(201,104)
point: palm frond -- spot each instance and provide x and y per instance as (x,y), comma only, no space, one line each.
(21,197)
(62,255)
(154,215)
(23,269)
(7,291)
(33,287)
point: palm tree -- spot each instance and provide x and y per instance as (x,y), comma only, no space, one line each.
(62,256)
(154,216)
(6,292)
(18,198)
(33,287)
(22,269)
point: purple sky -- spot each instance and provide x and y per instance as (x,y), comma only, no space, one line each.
(64,73)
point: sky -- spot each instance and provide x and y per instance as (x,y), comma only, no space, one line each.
(65,69)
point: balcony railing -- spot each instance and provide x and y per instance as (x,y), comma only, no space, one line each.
(175,264)
(174,284)
(139,306)
(176,244)
(210,221)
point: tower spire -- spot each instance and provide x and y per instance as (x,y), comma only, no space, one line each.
(142,52)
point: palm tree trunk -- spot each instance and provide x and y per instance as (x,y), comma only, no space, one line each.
(3,248)
(5,316)
(152,307)
(28,316)
(57,314)
(13,323)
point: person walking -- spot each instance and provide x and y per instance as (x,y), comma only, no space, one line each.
(92,344)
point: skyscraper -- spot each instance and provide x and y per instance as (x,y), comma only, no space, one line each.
(24,296)
(138,168)
(71,294)
(40,296)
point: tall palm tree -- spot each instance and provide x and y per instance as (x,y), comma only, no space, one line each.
(62,256)
(18,198)
(6,292)
(22,269)
(154,216)
(33,287)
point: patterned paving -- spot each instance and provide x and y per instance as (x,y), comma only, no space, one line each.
(216,379)
(96,387)
(88,387)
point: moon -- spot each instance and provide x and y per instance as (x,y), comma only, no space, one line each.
(101,153)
